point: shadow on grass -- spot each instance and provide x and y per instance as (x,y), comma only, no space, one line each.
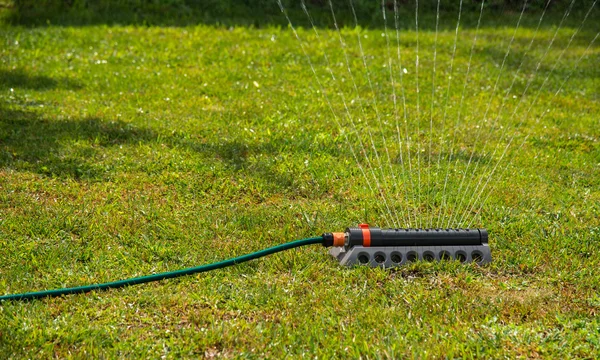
(75,147)
(551,55)
(19,79)
(30,142)
(277,161)
(261,13)
(61,148)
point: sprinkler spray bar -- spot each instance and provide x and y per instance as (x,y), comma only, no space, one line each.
(393,247)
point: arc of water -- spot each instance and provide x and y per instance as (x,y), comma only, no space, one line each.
(559,57)
(495,167)
(496,119)
(433,77)
(417,111)
(375,105)
(522,97)
(523,118)
(361,106)
(405,216)
(405,112)
(336,118)
(442,128)
(460,106)
(490,98)
(574,68)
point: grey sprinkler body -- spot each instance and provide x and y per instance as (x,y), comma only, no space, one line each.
(374,246)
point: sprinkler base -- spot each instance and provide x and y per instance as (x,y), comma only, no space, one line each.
(392,256)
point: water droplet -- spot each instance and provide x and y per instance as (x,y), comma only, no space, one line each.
(405,71)
(256,84)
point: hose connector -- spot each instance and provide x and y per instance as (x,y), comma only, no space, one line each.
(336,239)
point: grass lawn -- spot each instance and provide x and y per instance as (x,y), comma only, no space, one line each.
(128,150)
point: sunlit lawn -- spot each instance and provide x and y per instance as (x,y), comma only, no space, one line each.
(131,150)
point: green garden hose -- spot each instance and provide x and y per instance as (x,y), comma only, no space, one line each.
(164,275)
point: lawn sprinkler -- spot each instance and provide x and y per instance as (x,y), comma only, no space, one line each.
(375,247)
(362,245)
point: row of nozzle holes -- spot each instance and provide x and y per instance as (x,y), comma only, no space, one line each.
(413,256)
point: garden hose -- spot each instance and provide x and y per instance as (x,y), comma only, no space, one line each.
(362,245)
(165,275)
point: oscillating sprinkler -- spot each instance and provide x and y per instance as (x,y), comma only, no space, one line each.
(362,245)
(375,247)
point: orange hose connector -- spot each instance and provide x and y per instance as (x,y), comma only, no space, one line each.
(339,239)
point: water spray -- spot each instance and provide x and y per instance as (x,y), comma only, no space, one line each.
(357,246)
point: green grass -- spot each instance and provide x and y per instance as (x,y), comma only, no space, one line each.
(129,150)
